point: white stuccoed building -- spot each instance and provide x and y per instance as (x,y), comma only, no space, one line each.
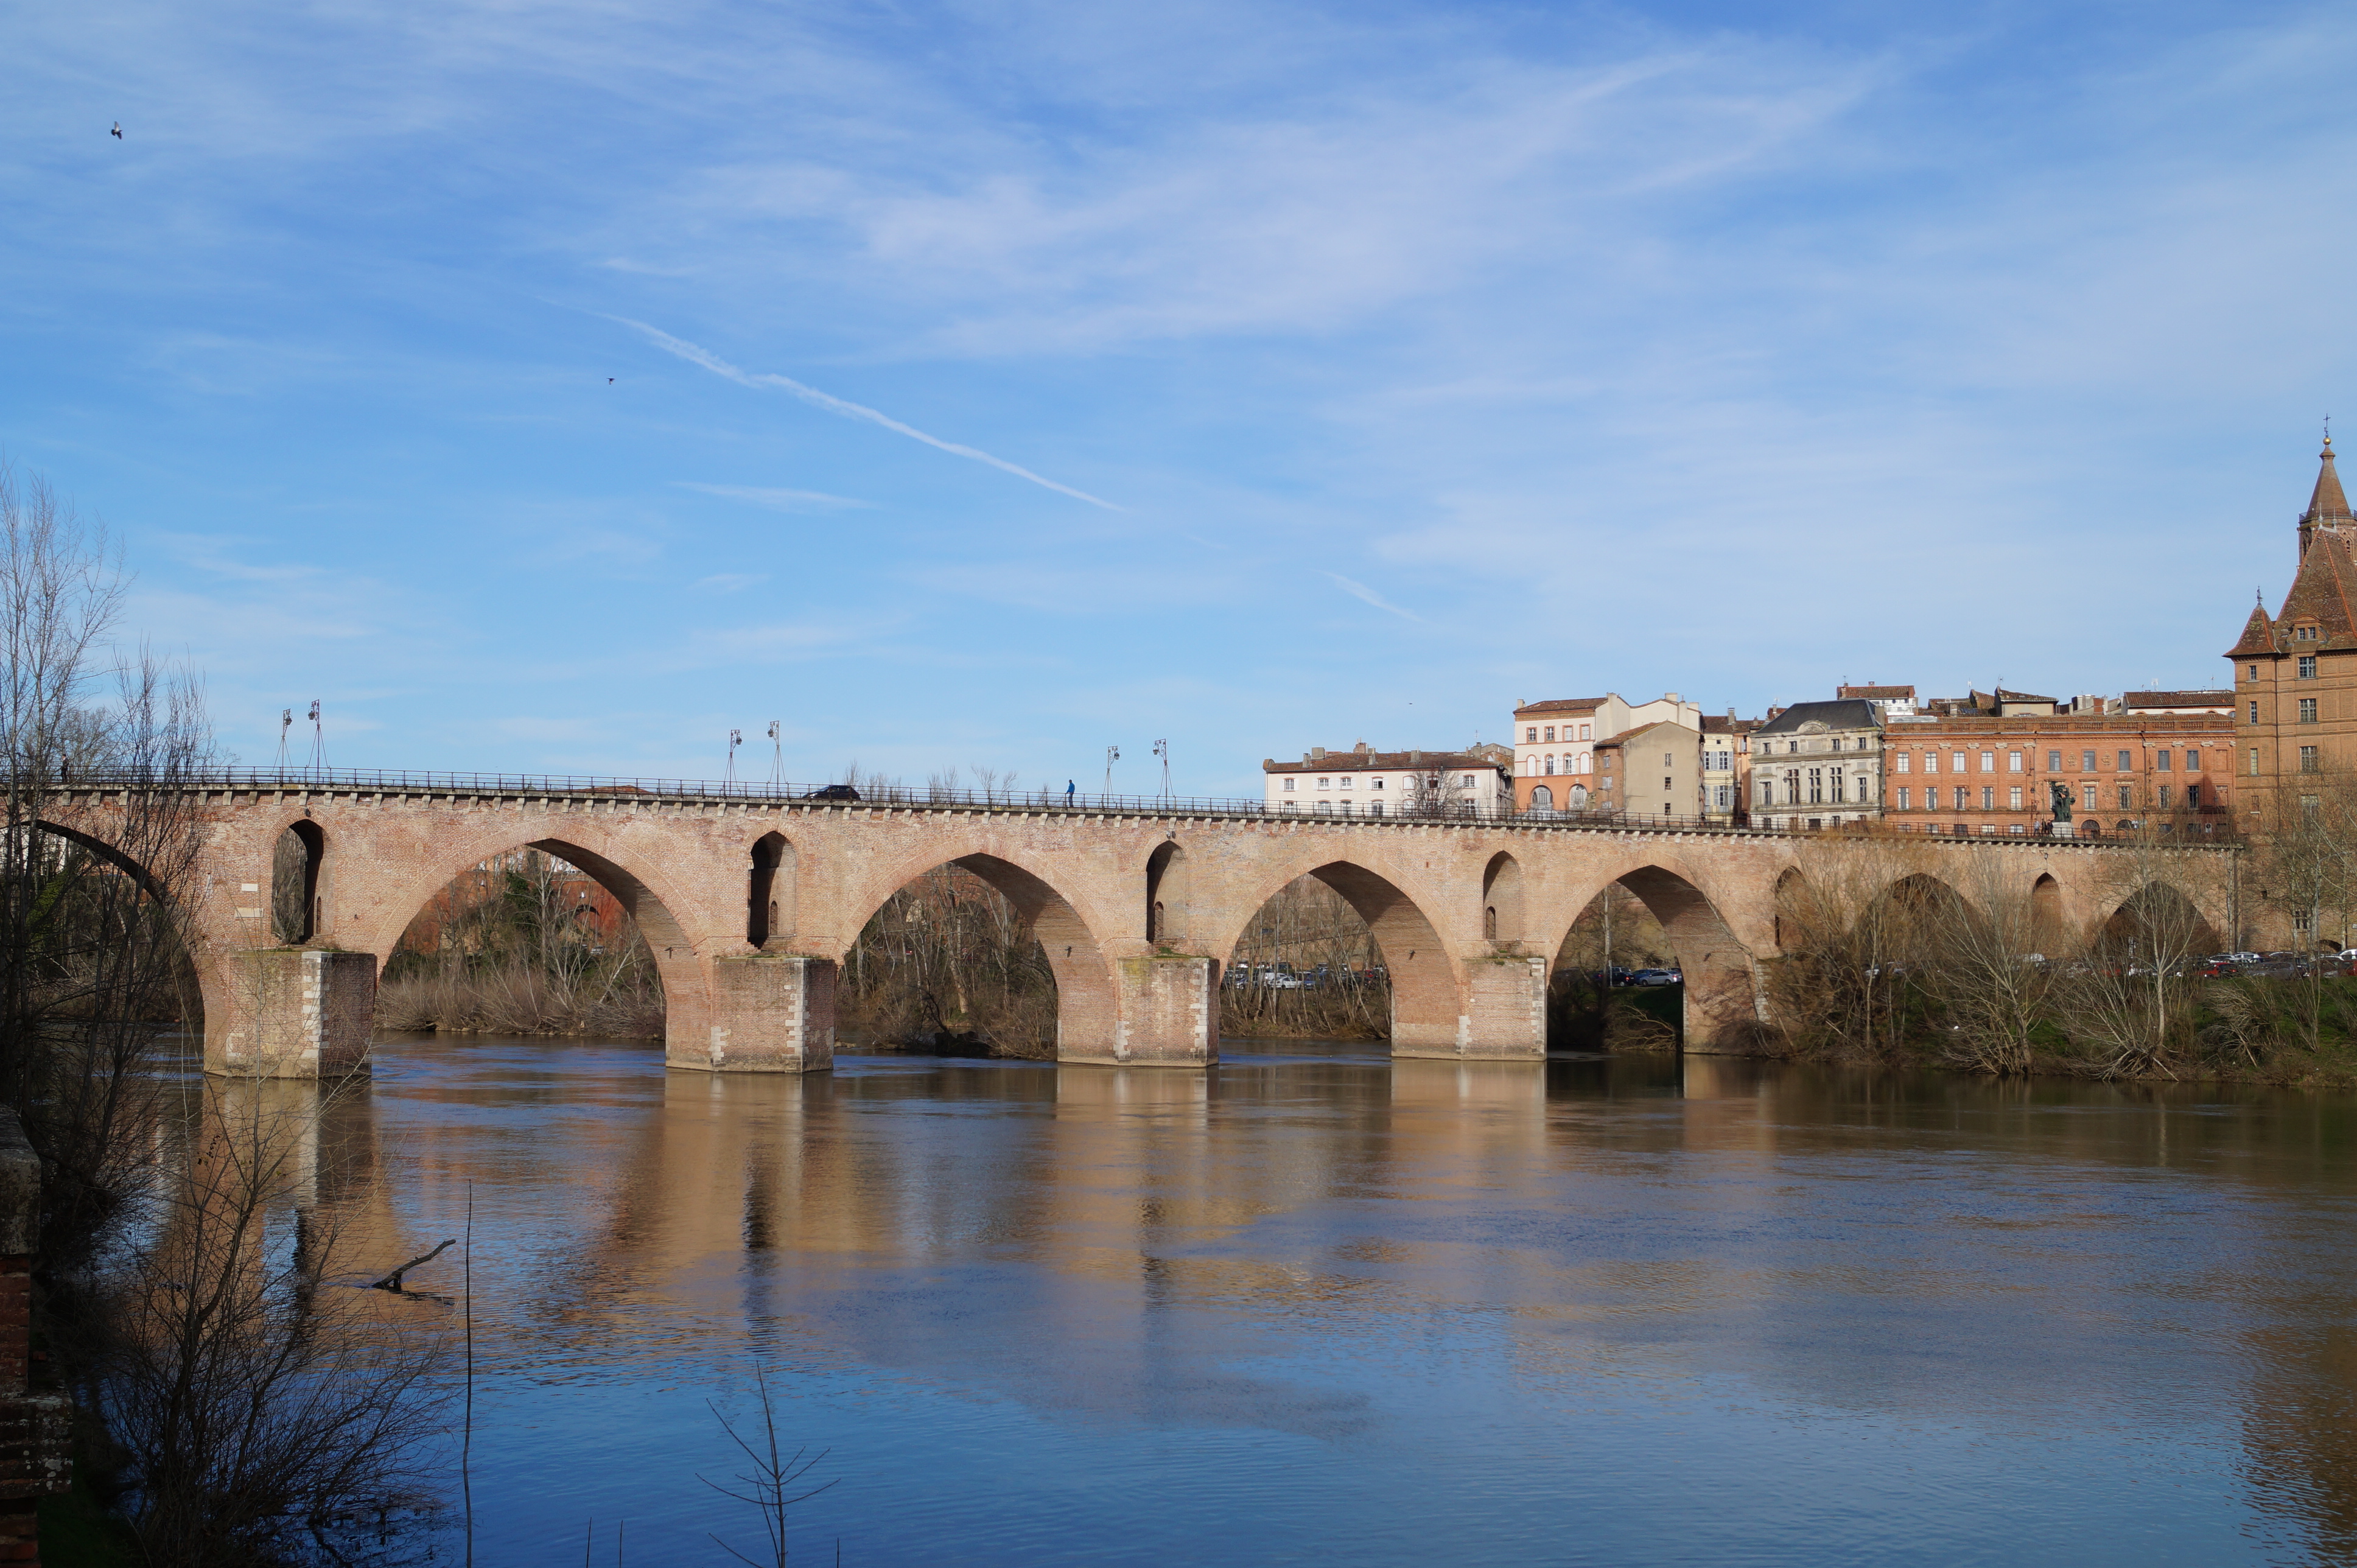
(1361,782)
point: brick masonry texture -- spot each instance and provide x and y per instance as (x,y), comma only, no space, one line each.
(1469,915)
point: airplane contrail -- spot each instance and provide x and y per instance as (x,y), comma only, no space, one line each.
(695,355)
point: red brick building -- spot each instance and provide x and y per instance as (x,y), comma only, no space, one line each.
(1987,764)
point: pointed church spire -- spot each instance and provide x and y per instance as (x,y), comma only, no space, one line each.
(2329,504)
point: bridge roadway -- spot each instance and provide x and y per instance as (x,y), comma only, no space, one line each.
(749,899)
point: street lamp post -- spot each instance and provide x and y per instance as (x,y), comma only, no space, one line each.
(1113,755)
(1162,750)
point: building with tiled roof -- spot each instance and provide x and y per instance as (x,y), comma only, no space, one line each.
(1818,765)
(2294,672)
(1555,744)
(2211,702)
(1362,782)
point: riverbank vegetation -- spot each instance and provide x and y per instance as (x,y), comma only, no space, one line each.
(1887,956)
(524,944)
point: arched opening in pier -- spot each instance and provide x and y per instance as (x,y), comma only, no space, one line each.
(771,890)
(1166,880)
(1341,953)
(1501,899)
(976,957)
(297,905)
(1648,964)
(544,938)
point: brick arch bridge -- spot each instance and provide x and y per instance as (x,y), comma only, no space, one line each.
(748,902)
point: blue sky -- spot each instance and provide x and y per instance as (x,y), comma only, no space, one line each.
(993,384)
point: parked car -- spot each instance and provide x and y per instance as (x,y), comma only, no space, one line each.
(834,792)
(1654,977)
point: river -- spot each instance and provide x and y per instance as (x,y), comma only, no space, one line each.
(1319,1306)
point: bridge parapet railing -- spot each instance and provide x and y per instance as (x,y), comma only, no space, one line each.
(872,796)
(923,796)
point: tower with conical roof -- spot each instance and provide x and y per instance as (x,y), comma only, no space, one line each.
(2328,505)
(2295,673)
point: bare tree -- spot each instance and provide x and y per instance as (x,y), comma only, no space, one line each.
(1853,924)
(93,942)
(1982,965)
(2128,1004)
(259,1401)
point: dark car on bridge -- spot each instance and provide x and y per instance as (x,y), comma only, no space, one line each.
(834,792)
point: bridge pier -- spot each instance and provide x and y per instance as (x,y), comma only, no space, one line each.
(770,1013)
(1167,1014)
(303,1013)
(1722,1007)
(1500,1015)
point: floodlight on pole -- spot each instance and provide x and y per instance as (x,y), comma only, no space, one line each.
(1113,755)
(735,739)
(776,757)
(318,739)
(1162,750)
(286,723)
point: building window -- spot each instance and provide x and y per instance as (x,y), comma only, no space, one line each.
(1325,808)
(1961,804)
(1375,784)
(1346,782)
(2013,762)
(2017,828)
(2087,796)
(1956,762)
(1837,785)
(1467,781)
(2254,762)
(2254,672)
(2193,762)
(2194,797)
(2127,797)
(2164,797)
(1904,764)
(1816,785)
(1550,739)
(2308,759)
(1546,764)
(2087,762)
(1903,802)
(1724,797)
(1375,807)
(1531,735)
(2053,762)
(1325,783)
(1988,761)
(2306,712)
(1767,792)
(2013,798)
(1930,762)
(2307,666)
(1288,783)
(1290,806)
(1989,796)
(1584,734)
(2162,759)
(2254,711)
(2126,763)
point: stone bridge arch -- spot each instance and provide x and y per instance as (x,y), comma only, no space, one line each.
(1724,999)
(1449,998)
(679,934)
(1088,1005)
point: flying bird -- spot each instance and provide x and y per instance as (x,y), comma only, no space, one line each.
(609,380)
(118,130)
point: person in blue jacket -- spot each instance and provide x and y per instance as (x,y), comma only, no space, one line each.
(1068,791)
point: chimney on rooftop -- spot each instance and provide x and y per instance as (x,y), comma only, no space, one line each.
(1317,754)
